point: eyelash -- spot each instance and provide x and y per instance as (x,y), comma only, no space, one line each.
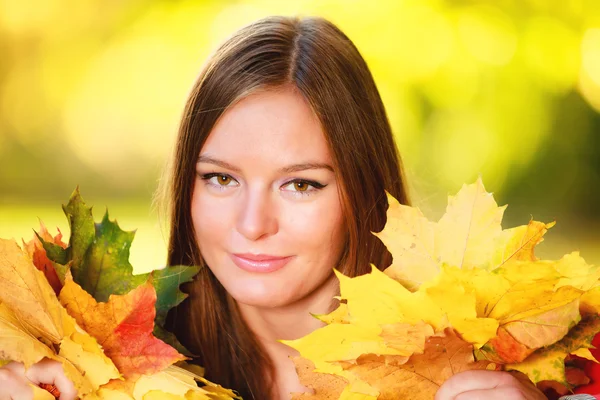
(316,185)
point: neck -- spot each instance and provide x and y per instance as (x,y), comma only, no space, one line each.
(289,322)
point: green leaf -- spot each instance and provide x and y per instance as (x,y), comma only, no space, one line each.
(106,269)
(549,363)
(166,282)
(82,227)
(98,256)
(58,256)
(53,251)
(170,339)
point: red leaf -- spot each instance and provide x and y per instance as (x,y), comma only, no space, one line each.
(123,326)
(41,261)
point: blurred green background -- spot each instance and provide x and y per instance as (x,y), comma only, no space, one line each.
(91,93)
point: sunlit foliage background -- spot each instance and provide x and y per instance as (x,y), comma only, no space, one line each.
(91,93)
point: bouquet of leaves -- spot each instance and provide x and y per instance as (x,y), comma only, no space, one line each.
(461,294)
(81,305)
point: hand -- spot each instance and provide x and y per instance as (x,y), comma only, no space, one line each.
(488,385)
(14,380)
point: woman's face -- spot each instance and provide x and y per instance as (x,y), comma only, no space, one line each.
(265,206)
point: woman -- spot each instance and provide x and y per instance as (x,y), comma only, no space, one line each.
(279,175)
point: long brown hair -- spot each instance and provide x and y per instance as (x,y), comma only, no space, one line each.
(324,65)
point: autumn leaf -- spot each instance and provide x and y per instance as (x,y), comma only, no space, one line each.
(16,343)
(340,315)
(347,342)
(416,377)
(123,326)
(27,293)
(98,257)
(522,298)
(172,383)
(37,253)
(464,275)
(98,253)
(438,304)
(106,269)
(444,356)
(166,282)
(82,227)
(321,386)
(34,325)
(548,363)
(37,326)
(468,235)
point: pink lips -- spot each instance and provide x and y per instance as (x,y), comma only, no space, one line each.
(259,262)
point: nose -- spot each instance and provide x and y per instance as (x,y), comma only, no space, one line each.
(258,215)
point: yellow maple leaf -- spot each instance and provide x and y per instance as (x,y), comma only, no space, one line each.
(548,363)
(464,275)
(443,355)
(523,298)
(173,382)
(34,325)
(28,294)
(321,386)
(17,343)
(468,235)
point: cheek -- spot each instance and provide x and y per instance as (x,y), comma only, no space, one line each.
(209,222)
(318,231)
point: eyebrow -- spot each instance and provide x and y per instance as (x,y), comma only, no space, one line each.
(289,169)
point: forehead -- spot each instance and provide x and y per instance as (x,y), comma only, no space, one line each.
(278,125)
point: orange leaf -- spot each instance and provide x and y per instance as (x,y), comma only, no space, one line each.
(321,386)
(421,376)
(123,326)
(394,377)
(40,259)
(504,349)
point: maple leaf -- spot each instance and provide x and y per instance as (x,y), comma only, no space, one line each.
(98,258)
(463,275)
(97,254)
(37,252)
(27,293)
(82,227)
(34,325)
(106,269)
(547,364)
(16,343)
(37,325)
(443,355)
(123,326)
(522,298)
(172,383)
(468,235)
(321,386)
(166,282)
(391,303)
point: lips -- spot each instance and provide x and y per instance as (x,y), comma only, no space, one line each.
(262,263)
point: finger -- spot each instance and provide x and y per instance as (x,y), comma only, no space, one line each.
(499,393)
(51,372)
(17,368)
(13,386)
(474,380)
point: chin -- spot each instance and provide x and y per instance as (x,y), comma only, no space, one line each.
(257,294)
